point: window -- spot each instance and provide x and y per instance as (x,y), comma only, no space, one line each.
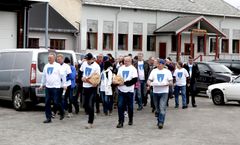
(187,49)
(91,40)
(212,45)
(203,67)
(58,44)
(151,43)
(235,46)
(137,42)
(200,43)
(174,43)
(33,42)
(224,45)
(122,42)
(107,41)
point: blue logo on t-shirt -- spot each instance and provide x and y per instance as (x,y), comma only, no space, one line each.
(140,66)
(180,74)
(125,74)
(88,71)
(160,77)
(50,70)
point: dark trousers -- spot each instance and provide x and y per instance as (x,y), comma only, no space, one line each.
(125,100)
(52,94)
(89,101)
(70,100)
(191,90)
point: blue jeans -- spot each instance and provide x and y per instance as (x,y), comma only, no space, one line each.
(125,100)
(70,100)
(137,94)
(160,101)
(177,89)
(107,102)
(52,94)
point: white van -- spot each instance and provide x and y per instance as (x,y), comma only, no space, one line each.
(21,74)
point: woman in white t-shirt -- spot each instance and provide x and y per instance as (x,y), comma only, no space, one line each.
(180,77)
(106,88)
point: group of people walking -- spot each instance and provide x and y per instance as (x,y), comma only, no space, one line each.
(160,78)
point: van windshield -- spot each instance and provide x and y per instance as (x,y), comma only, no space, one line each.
(43,59)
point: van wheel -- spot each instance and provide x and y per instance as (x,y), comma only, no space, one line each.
(217,97)
(18,101)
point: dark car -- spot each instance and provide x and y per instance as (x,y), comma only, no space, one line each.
(233,65)
(212,73)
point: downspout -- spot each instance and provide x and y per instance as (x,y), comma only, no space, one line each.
(156,35)
(77,34)
(25,28)
(46,25)
(116,30)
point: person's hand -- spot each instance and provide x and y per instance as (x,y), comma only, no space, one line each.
(188,85)
(84,79)
(65,88)
(40,88)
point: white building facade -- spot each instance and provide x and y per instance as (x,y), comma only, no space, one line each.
(123,29)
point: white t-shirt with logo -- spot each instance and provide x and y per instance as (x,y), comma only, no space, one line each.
(160,80)
(88,70)
(181,75)
(141,70)
(52,75)
(127,73)
(66,69)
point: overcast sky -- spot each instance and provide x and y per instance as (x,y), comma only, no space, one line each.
(235,3)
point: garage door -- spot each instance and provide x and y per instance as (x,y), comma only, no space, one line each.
(8,30)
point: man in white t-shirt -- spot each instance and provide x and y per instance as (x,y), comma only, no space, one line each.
(89,67)
(180,78)
(126,91)
(51,79)
(66,70)
(143,70)
(160,78)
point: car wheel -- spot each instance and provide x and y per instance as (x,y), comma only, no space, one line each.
(18,101)
(217,97)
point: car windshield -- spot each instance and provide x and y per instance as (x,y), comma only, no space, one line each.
(219,68)
(237,80)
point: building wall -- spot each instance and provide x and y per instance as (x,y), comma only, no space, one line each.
(70,40)
(131,16)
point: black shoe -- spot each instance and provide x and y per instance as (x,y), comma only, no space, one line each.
(139,109)
(156,114)
(47,121)
(184,107)
(130,123)
(194,105)
(153,110)
(160,125)
(120,125)
(176,106)
(61,117)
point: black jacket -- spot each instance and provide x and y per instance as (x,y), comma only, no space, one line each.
(195,72)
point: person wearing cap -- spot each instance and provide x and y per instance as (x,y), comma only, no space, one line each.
(160,78)
(194,73)
(180,78)
(126,91)
(89,67)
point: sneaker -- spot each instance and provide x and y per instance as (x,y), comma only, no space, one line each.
(47,121)
(176,106)
(139,109)
(53,115)
(160,125)
(70,115)
(89,126)
(120,125)
(106,113)
(125,114)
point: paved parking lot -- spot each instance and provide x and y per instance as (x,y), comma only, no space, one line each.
(205,125)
